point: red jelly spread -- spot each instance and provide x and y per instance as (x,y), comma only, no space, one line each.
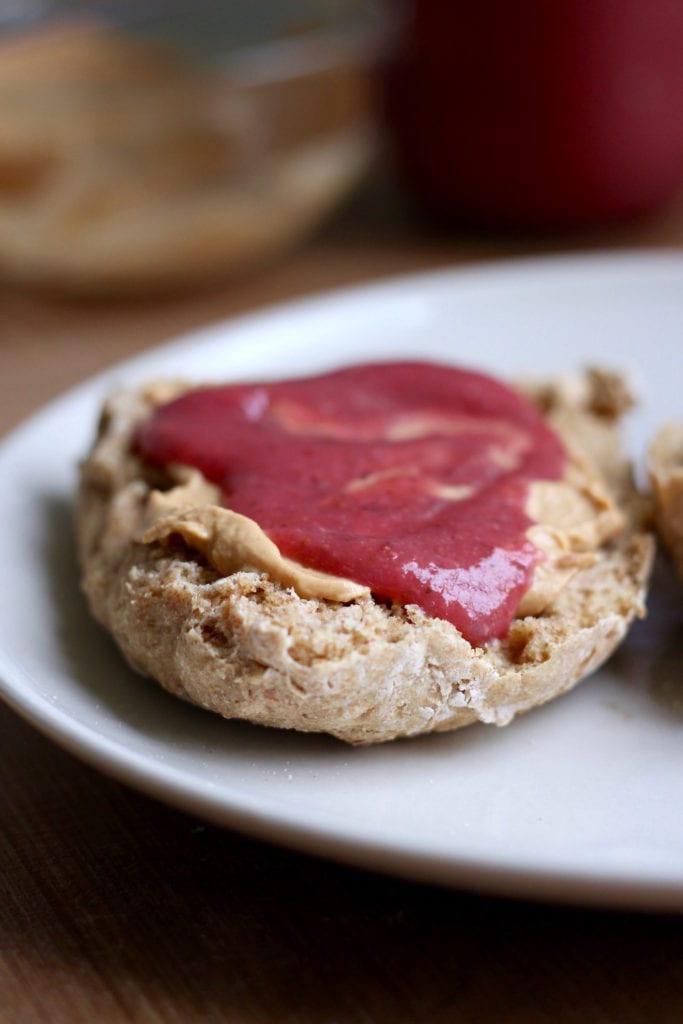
(410,478)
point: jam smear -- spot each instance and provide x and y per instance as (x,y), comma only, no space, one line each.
(410,478)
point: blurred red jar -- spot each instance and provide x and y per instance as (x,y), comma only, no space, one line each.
(539,113)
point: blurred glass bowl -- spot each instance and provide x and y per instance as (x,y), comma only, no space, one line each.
(151,146)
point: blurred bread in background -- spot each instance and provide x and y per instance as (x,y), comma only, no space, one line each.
(666,477)
(125,167)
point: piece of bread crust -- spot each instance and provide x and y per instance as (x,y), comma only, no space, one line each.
(666,477)
(365,672)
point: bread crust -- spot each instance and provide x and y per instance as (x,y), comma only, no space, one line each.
(666,476)
(246,647)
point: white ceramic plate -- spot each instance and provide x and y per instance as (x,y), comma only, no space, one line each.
(579,800)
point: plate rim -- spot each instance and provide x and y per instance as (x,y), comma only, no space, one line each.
(588,887)
(652,260)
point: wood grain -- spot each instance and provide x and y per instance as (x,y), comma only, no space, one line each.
(114,908)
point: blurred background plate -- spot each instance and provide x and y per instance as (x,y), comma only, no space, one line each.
(150,147)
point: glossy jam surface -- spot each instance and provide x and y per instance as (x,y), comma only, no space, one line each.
(410,478)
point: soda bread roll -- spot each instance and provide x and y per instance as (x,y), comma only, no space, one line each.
(247,645)
(666,476)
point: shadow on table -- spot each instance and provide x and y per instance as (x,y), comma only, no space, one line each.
(652,654)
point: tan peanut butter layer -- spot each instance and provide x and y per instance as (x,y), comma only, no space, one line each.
(231,542)
(572,519)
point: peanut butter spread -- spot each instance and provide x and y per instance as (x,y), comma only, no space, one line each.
(231,542)
(573,518)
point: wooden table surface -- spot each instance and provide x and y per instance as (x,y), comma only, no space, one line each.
(115,908)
